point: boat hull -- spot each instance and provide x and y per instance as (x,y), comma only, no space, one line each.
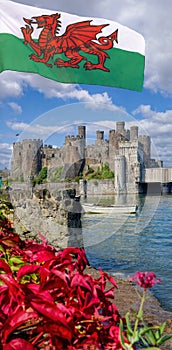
(113,209)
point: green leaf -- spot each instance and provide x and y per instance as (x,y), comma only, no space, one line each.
(2,249)
(150,337)
(129,328)
(163,339)
(147,329)
(16,260)
(143,340)
(162,327)
(136,338)
(121,334)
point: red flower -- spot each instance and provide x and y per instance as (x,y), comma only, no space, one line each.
(145,279)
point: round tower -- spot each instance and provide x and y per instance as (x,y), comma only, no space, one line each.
(120,174)
(134,133)
(31,157)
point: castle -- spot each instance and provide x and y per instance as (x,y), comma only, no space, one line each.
(126,152)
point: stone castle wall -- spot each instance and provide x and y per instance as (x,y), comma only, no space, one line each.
(57,217)
(74,156)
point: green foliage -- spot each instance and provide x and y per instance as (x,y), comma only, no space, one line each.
(106,172)
(56,177)
(43,174)
(147,337)
(5,207)
(3,195)
(79,177)
(42,177)
(102,173)
(58,173)
(68,179)
(21,179)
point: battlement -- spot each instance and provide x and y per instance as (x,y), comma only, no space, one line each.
(72,138)
(30,156)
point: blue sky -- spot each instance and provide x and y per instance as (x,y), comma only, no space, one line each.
(34,107)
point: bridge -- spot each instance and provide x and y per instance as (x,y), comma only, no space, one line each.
(159,178)
(162,175)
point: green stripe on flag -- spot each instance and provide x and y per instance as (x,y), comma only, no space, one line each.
(126,68)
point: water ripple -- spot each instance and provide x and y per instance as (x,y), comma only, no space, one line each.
(137,243)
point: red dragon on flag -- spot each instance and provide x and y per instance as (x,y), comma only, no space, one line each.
(80,36)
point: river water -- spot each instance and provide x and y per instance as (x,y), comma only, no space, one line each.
(124,244)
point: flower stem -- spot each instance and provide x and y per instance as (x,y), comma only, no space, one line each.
(139,314)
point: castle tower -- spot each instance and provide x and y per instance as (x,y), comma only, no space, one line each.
(100,135)
(111,137)
(31,157)
(134,133)
(120,174)
(113,147)
(16,162)
(27,159)
(146,143)
(120,127)
(127,135)
(82,142)
(82,131)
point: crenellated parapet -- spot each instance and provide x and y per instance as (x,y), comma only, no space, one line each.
(126,151)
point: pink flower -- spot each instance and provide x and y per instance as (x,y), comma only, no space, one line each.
(145,279)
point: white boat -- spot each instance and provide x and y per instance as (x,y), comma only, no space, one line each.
(109,210)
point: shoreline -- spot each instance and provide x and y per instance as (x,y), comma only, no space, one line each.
(123,278)
(126,299)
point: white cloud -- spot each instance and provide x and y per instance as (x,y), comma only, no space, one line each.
(145,110)
(10,85)
(15,107)
(5,155)
(159,126)
(35,130)
(19,126)
(51,89)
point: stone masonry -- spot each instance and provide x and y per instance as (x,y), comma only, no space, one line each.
(57,216)
(126,152)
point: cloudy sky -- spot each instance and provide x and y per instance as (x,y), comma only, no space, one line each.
(32,106)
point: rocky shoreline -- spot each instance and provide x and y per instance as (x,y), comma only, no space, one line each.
(126,299)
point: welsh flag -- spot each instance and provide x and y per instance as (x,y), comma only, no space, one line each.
(70,49)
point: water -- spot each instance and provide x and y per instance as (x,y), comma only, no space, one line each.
(125,244)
